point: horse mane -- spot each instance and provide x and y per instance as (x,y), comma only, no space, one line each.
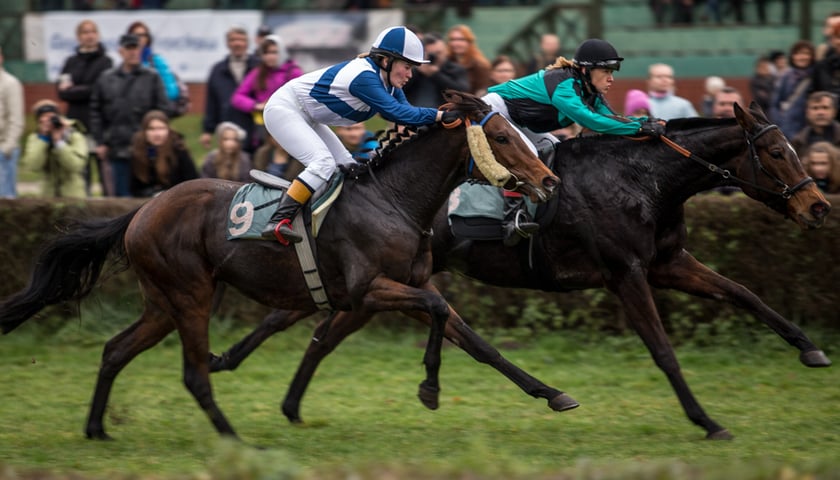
(391,140)
(697,123)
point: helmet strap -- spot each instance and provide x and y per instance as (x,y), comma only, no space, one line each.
(379,60)
(387,69)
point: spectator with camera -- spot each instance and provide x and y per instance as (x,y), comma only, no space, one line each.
(59,150)
(429,80)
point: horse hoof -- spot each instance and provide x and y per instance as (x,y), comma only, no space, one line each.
(428,396)
(562,402)
(814,358)
(99,435)
(720,435)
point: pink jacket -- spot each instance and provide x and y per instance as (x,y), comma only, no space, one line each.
(247,95)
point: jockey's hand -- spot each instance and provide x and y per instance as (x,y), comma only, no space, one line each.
(448,116)
(652,128)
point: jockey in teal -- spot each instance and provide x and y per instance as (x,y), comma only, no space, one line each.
(567,92)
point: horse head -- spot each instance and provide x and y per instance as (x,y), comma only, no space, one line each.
(773,173)
(501,155)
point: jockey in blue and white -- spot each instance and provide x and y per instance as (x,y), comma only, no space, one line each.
(298,115)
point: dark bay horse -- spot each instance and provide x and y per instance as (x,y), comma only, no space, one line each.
(374,253)
(617,223)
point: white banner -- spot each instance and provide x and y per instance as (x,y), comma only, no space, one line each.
(190,41)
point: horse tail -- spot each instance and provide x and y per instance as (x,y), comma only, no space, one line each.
(67,268)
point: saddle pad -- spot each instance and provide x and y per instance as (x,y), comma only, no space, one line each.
(321,205)
(254,203)
(472,200)
(250,210)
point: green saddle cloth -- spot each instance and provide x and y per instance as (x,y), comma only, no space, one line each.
(250,210)
(253,204)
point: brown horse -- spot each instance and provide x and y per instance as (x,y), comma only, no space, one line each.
(618,223)
(374,253)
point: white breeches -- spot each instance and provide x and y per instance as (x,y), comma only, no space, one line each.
(533,139)
(314,144)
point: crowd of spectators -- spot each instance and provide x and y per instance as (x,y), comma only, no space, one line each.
(116,118)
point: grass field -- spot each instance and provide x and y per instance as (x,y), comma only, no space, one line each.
(362,418)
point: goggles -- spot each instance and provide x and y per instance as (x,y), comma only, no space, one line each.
(612,65)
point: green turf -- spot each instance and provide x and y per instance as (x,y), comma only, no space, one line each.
(362,416)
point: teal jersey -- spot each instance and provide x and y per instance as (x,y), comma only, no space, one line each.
(566,103)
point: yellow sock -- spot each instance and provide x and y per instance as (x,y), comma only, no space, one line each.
(299,191)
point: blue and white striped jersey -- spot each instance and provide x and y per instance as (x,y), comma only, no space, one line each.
(352,92)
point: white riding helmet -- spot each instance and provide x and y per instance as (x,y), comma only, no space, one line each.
(400,43)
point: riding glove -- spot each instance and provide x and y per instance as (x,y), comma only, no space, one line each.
(652,128)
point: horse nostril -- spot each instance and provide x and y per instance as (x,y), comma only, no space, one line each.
(820,209)
(550,182)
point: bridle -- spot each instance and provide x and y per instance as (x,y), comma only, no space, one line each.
(786,190)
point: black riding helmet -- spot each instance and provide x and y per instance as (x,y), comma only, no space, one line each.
(597,53)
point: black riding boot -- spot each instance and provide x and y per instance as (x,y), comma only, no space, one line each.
(281,222)
(517,222)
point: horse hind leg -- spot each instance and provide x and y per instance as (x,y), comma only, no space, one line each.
(329,333)
(276,321)
(193,322)
(633,290)
(152,326)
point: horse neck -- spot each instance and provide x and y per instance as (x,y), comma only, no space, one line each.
(683,177)
(420,175)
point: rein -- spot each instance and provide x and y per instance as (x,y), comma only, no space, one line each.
(787,191)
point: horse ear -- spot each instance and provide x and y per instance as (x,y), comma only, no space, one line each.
(745,118)
(757,112)
(453,96)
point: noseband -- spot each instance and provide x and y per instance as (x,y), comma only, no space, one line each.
(786,192)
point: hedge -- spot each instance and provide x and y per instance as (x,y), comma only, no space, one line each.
(794,271)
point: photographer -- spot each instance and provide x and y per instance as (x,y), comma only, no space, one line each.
(57,149)
(429,80)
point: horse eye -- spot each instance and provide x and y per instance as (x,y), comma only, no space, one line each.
(777,154)
(501,139)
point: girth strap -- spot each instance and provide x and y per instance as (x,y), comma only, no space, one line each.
(310,269)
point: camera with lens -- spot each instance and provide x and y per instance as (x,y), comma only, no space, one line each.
(55,122)
(433,58)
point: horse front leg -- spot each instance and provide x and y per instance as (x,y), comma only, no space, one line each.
(459,333)
(385,294)
(633,290)
(686,274)
(275,321)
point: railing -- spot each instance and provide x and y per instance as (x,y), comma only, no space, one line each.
(573,23)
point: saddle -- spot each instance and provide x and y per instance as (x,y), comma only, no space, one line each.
(476,212)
